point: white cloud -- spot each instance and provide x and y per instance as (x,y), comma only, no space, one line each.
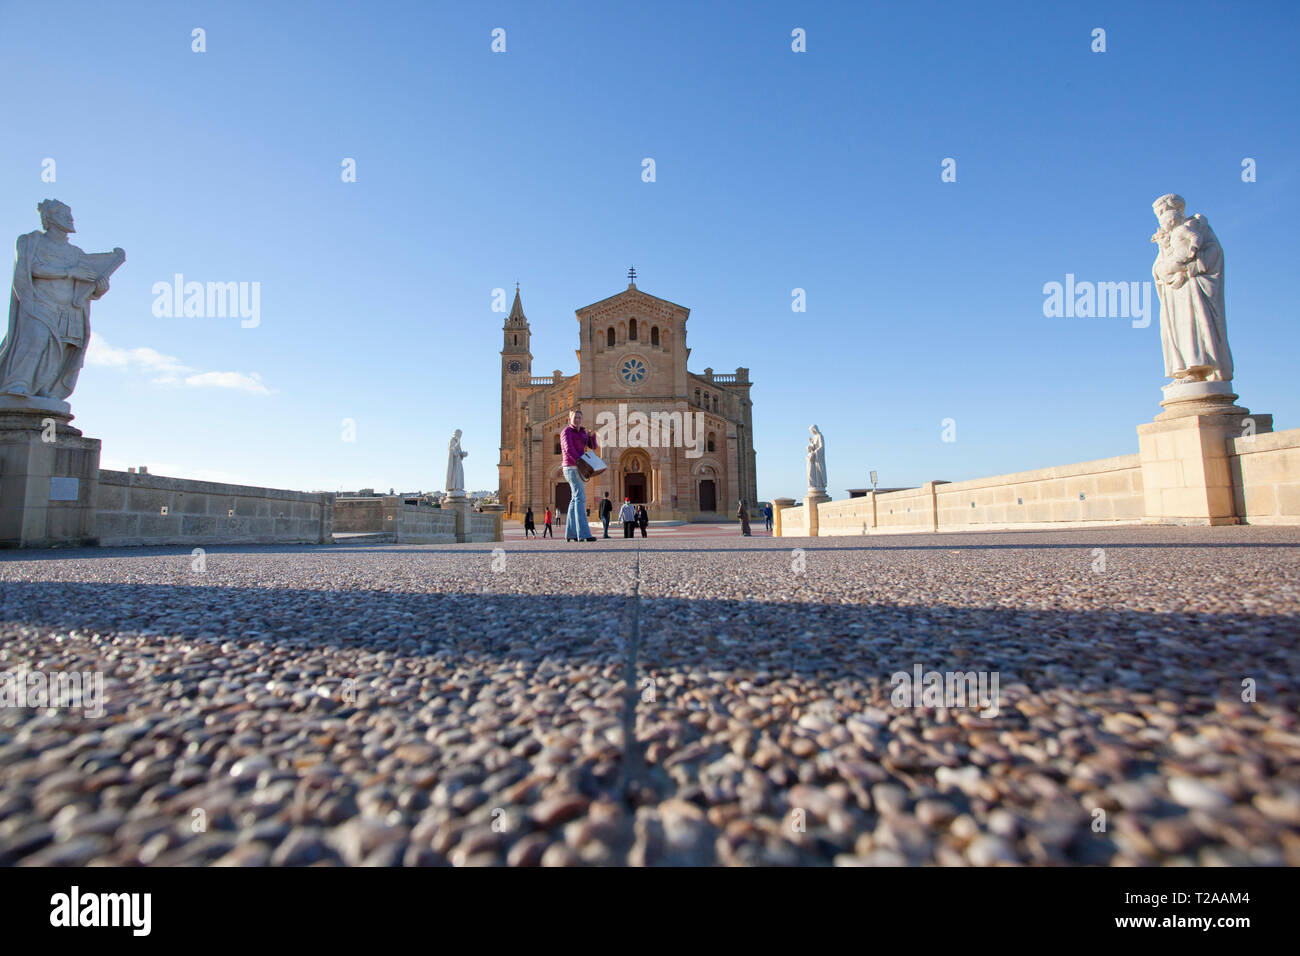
(236,380)
(108,356)
(167,369)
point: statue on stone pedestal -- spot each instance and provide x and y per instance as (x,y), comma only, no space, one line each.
(455,468)
(49,307)
(1189,281)
(816,460)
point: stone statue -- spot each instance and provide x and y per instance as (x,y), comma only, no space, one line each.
(816,460)
(1189,281)
(49,308)
(455,467)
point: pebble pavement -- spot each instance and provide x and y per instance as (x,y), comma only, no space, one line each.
(658,701)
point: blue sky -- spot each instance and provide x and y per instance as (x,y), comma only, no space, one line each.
(775,170)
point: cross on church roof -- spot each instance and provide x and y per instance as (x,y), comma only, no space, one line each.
(631,275)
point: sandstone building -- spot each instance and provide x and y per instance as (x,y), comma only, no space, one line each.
(632,360)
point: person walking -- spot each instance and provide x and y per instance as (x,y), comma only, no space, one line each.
(743,514)
(627,515)
(530,528)
(546,531)
(606,512)
(574,442)
(643,519)
(767,516)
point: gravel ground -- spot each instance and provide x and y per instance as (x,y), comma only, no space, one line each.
(656,702)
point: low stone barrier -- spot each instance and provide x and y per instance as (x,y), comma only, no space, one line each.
(483,527)
(1265,472)
(409,524)
(1107,491)
(144,509)
(794,522)
(1262,471)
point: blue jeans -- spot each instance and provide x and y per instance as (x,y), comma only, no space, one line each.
(575,525)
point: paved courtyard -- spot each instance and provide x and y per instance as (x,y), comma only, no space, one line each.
(672,700)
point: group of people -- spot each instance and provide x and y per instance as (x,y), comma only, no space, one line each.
(574,442)
(631,515)
(530,525)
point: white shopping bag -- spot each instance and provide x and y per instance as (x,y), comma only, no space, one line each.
(590,465)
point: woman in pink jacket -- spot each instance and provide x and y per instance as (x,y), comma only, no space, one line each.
(574,442)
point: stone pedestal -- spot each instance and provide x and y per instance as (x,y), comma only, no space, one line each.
(779,505)
(49,476)
(811,500)
(1186,477)
(462,508)
(498,515)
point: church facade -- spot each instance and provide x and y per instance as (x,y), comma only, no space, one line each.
(678,441)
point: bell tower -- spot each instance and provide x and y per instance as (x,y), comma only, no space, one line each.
(516,370)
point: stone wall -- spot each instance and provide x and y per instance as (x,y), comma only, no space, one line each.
(910,509)
(1107,491)
(359,516)
(409,524)
(390,514)
(424,524)
(1086,494)
(1265,473)
(794,522)
(483,527)
(143,509)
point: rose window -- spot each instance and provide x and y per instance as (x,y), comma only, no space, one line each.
(633,371)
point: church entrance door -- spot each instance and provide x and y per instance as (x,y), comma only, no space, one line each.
(562,494)
(708,496)
(634,487)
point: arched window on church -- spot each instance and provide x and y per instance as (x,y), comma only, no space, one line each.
(609,337)
(516,340)
(631,330)
(715,403)
(697,396)
(557,444)
(712,442)
(654,336)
